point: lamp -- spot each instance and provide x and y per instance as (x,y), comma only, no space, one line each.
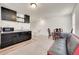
(33,5)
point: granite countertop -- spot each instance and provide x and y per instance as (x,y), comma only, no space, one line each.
(14,31)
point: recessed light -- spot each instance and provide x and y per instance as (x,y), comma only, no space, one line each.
(33,5)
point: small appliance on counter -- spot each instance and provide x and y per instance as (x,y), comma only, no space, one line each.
(7,29)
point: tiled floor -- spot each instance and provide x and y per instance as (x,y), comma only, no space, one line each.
(35,46)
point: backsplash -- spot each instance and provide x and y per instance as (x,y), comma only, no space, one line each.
(16,25)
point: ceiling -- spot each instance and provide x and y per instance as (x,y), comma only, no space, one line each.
(43,10)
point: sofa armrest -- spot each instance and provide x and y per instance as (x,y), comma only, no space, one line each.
(50,53)
(76,51)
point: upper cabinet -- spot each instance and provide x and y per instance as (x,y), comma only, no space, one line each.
(11,15)
(7,14)
(26,18)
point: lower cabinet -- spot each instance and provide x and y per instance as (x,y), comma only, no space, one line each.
(9,39)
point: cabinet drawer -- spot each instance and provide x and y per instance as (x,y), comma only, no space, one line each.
(8,37)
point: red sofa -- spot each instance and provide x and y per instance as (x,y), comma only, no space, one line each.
(73,46)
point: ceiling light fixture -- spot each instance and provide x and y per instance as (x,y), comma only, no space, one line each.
(33,5)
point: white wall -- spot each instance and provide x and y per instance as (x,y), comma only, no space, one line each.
(76,19)
(73,21)
(40,26)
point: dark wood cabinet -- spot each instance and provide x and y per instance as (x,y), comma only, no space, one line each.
(11,15)
(26,19)
(8,14)
(9,39)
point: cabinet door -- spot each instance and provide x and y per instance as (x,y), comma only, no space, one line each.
(7,14)
(26,19)
(23,36)
(8,39)
(14,38)
(20,37)
(5,38)
(29,34)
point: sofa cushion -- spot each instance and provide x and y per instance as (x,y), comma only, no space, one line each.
(59,47)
